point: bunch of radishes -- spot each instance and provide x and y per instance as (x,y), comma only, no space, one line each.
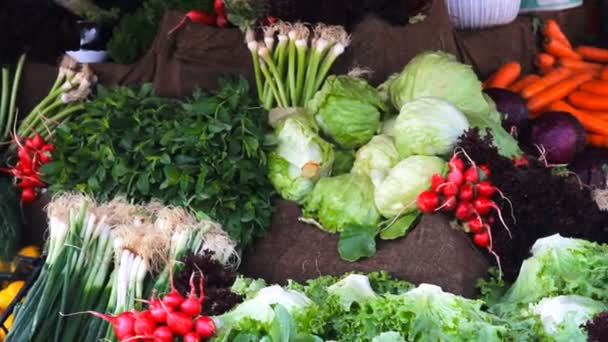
(467,193)
(173,315)
(32,154)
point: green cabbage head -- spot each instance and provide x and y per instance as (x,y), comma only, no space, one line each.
(397,194)
(428,126)
(341,201)
(376,158)
(440,74)
(348,110)
(300,158)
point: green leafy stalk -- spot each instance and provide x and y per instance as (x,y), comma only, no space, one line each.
(317,54)
(276,77)
(302,53)
(291,70)
(273,87)
(13,101)
(329,60)
(280,60)
(256,68)
(4,97)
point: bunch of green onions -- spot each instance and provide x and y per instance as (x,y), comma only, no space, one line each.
(292,61)
(72,86)
(105,257)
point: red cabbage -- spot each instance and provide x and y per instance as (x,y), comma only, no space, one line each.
(557,135)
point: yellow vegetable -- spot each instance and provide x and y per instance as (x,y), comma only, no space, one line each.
(7,324)
(30,251)
(7,295)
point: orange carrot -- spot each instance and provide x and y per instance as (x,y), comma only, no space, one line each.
(557,92)
(505,75)
(588,101)
(524,82)
(598,87)
(597,140)
(551,29)
(604,74)
(590,123)
(578,65)
(593,53)
(546,81)
(544,61)
(559,49)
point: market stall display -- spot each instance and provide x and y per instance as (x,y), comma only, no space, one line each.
(416,204)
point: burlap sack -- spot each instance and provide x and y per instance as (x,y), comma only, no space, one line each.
(432,252)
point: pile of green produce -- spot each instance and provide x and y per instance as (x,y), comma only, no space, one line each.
(560,293)
(437,100)
(105,257)
(204,153)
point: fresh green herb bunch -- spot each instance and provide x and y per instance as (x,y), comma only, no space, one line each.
(205,153)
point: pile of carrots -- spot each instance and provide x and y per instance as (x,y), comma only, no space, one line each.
(569,79)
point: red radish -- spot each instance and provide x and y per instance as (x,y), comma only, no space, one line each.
(428,201)
(205,326)
(192,336)
(144,323)
(456,164)
(436,181)
(44,158)
(29,144)
(173,299)
(485,169)
(471,175)
(464,211)
(48,148)
(158,312)
(196,16)
(484,205)
(37,141)
(450,189)
(123,324)
(163,334)
(482,239)
(28,195)
(521,161)
(191,306)
(179,323)
(475,225)
(221,21)
(449,204)
(466,192)
(456,177)
(218,6)
(486,189)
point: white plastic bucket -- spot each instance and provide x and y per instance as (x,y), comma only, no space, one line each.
(476,14)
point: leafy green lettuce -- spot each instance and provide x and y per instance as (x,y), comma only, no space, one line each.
(428,126)
(397,194)
(376,158)
(439,74)
(300,159)
(345,204)
(348,110)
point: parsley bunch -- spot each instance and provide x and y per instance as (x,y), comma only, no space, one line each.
(205,153)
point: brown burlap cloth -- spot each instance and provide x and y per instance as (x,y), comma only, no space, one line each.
(198,55)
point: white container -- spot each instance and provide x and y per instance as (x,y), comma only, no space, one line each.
(477,14)
(548,5)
